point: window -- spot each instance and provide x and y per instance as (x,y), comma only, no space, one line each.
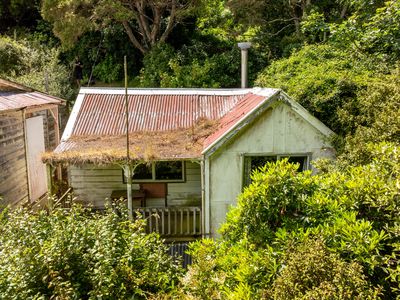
(254,162)
(161,171)
(143,171)
(169,170)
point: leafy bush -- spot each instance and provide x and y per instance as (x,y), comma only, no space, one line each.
(36,66)
(77,254)
(377,120)
(312,272)
(277,194)
(356,96)
(11,55)
(205,64)
(164,67)
(108,70)
(156,65)
(332,235)
(229,271)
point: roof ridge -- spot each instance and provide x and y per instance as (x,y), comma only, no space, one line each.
(176,91)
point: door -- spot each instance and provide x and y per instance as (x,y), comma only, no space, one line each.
(35,147)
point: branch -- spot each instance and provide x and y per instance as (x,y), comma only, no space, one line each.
(142,21)
(343,12)
(171,22)
(281,20)
(156,24)
(282,29)
(132,37)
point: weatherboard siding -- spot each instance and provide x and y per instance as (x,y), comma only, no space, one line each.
(13,172)
(13,166)
(94,184)
(188,192)
(279,130)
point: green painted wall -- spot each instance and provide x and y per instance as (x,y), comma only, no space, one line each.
(279,130)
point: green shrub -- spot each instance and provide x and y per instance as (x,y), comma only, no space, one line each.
(356,95)
(310,271)
(277,194)
(36,66)
(11,56)
(223,270)
(77,254)
(268,239)
(210,64)
(108,70)
(156,65)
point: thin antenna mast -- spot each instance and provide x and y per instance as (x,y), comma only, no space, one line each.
(95,60)
(128,168)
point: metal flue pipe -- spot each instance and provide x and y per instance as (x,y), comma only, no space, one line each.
(244,47)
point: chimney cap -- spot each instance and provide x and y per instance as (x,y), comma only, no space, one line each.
(244,45)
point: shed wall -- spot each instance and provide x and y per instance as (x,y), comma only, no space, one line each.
(93,184)
(13,169)
(279,130)
(13,172)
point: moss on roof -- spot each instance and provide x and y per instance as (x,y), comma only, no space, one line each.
(186,143)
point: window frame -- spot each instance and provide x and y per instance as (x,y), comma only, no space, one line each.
(153,174)
(306,155)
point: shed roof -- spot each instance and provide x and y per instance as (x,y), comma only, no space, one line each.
(14,96)
(164,124)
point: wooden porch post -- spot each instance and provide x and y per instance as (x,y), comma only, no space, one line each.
(56,116)
(128,174)
(202,198)
(49,171)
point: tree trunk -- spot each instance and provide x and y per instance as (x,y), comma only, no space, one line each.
(343,12)
(132,38)
(171,22)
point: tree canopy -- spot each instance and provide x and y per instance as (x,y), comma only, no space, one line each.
(146,22)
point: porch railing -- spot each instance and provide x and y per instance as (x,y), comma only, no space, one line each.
(172,221)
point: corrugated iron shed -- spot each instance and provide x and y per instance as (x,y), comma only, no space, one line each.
(14,96)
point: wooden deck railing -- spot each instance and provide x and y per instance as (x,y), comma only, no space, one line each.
(172,221)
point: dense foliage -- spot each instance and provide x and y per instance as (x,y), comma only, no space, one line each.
(334,235)
(356,95)
(77,254)
(18,13)
(294,235)
(35,65)
(152,20)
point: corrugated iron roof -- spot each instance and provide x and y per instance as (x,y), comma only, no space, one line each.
(98,119)
(238,113)
(14,96)
(105,114)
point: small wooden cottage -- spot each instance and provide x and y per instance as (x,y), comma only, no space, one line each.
(28,127)
(192,150)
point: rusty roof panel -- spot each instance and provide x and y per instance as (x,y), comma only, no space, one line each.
(168,123)
(14,96)
(245,106)
(104,114)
